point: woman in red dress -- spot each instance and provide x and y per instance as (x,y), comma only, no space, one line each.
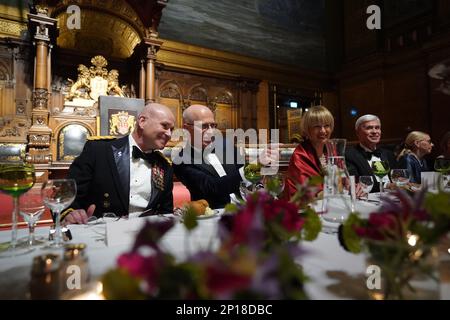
(309,157)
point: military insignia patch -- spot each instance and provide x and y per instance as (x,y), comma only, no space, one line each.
(158,177)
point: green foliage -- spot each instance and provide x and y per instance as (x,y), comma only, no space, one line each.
(312,225)
(351,240)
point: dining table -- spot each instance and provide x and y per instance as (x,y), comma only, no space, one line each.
(333,273)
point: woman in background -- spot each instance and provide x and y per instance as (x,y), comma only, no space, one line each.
(309,158)
(417,145)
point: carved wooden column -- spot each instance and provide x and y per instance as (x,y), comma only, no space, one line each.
(150,48)
(142,80)
(39,135)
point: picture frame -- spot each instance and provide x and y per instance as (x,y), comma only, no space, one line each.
(118,115)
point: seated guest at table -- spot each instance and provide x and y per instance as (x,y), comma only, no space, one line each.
(445,146)
(126,175)
(204,174)
(417,145)
(359,158)
(309,158)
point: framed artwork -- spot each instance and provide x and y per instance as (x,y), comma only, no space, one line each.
(118,115)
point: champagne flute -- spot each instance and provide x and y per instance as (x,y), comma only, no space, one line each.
(58,194)
(442,166)
(31,208)
(15,179)
(380,169)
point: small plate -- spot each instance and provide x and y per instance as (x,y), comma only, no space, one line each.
(216,213)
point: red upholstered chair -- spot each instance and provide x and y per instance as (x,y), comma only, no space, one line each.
(181,195)
(6,207)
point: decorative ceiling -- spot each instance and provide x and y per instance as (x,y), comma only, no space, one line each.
(282,31)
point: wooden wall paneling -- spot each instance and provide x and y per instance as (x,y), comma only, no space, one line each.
(262,105)
(366,96)
(358,40)
(406,101)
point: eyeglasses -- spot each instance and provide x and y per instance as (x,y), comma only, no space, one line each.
(205,126)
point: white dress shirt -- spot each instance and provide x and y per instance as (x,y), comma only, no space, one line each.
(375,158)
(140,181)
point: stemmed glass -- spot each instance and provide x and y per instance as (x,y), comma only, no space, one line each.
(366,183)
(380,169)
(252,172)
(442,166)
(15,179)
(58,194)
(400,177)
(274,184)
(31,208)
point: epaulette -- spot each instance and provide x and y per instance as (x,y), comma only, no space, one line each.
(168,160)
(65,213)
(96,138)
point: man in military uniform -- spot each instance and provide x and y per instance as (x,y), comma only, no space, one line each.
(127,175)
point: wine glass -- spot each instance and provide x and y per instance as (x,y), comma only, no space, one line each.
(400,177)
(442,166)
(252,172)
(366,183)
(57,195)
(15,179)
(31,208)
(274,184)
(380,169)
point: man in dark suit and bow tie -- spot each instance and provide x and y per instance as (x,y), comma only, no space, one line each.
(201,164)
(127,175)
(359,158)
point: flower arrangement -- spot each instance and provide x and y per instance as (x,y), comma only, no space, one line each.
(401,238)
(256,257)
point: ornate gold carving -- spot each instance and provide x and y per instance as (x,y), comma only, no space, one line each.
(121,123)
(20,106)
(12,28)
(38,140)
(13,130)
(42,9)
(95,81)
(198,93)
(40,99)
(111,34)
(224,97)
(170,91)
(36,155)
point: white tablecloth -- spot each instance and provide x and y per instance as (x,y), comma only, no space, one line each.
(333,272)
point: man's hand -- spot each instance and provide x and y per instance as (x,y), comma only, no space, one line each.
(270,155)
(360,191)
(79,216)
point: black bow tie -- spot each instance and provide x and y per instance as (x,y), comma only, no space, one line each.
(137,153)
(369,154)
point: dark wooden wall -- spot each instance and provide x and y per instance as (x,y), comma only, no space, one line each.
(385,72)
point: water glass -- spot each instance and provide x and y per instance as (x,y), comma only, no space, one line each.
(31,208)
(400,177)
(366,183)
(58,194)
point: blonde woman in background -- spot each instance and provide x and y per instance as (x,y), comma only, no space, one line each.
(309,158)
(417,145)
